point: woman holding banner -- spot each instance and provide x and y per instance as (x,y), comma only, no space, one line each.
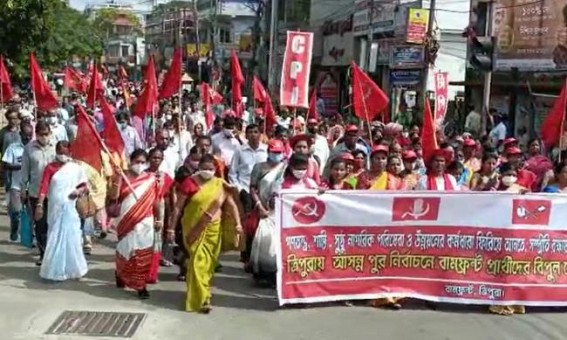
(211,223)
(134,204)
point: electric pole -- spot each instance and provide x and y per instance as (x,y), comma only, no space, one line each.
(273,46)
(428,38)
(370,36)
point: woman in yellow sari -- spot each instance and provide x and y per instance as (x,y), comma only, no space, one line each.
(377,178)
(211,223)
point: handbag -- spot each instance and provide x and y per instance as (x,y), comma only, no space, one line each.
(26,232)
(86,206)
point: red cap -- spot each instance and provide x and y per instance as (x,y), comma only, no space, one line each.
(380,148)
(469,142)
(351,128)
(509,141)
(276,146)
(513,151)
(347,156)
(312,121)
(298,138)
(409,155)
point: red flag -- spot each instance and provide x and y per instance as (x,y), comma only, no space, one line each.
(263,97)
(112,137)
(216,97)
(312,112)
(122,74)
(237,82)
(5,83)
(96,90)
(149,96)
(172,79)
(87,146)
(207,102)
(552,126)
(368,100)
(73,80)
(428,136)
(44,98)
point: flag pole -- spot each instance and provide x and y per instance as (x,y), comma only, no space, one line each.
(561,132)
(366,115)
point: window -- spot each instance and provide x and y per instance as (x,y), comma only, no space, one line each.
(125,49)
(225,35)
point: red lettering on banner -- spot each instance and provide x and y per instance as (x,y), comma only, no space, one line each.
(415,208)
(296,68)
(533,212)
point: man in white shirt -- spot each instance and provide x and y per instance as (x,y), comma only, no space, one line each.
(170,156)
(129,134)
(321,145)
(58,131)
(245,157)
(473,122)
(195,116)
(499,131)
(226,142)
(12,163)
(180,139)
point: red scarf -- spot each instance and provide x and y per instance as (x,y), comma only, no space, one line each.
(432,183)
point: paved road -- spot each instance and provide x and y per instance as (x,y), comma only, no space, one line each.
(28,306)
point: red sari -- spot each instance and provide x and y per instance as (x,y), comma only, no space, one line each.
(135,229)
(164,182)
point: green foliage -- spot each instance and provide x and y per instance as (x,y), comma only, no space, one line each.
(105,18)
(50,29)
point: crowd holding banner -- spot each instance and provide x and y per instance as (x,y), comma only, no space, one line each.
(324,210)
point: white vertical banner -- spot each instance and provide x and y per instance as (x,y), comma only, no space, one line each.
(296,69)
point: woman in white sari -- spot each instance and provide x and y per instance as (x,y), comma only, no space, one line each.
(63,181)
(260,231)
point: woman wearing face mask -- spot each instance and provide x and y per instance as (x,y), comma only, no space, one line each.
(263,187)
(136,212)
(295,175)
(301,144)
(211,223)
(163,253)
(190,166)
(62,183)
(508,183)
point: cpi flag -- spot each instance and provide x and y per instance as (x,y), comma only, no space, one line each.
(441,96)
(294,85)
(425,245)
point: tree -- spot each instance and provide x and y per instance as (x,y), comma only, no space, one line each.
(105,18)
(49,28)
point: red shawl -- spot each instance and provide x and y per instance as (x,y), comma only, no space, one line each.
(432,183)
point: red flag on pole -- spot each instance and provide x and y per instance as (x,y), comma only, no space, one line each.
(368,100)
(87,146)
(45,99)
(207,102)
(263,97)
(111,134)
(172,79)
(428,135)
(96,90)
(5,83)
(552,126)
(237,82)
(149,96)
(312,112)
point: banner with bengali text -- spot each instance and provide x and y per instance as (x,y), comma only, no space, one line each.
(469,248)
(441,96)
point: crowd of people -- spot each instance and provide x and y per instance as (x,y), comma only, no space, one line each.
(187,193)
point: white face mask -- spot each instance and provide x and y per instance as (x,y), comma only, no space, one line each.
(509,180)
(62,158)
(52,120)
(228,133)
(168,117)
(171,133)
(299,174)
(206,174)
(138,168)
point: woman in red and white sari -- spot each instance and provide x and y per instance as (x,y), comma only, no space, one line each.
(135,224)
(163,253)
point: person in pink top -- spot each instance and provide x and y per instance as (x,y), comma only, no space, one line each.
(301,144)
